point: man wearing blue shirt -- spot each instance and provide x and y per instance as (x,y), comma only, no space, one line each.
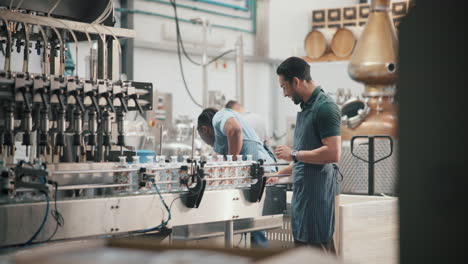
(229,134)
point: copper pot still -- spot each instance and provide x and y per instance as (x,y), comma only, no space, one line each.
(374,63)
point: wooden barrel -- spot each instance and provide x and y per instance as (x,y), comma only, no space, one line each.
(344,40)
(317,42)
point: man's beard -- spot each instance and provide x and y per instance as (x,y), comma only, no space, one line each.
(296,99)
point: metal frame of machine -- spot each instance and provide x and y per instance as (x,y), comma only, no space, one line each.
(69,125)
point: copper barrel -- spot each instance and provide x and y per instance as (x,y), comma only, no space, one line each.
(317,42)
(344,41)
(374,59)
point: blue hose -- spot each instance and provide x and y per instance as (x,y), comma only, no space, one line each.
(163,224)
(43,221)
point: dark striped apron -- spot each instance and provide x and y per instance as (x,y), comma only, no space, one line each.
(312,207)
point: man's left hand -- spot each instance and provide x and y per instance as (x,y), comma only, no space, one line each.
(284,153)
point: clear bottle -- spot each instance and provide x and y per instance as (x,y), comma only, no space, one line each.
(175,167)
(239,170)
(149,161)
(187,164)
(134,181)
(221,171)
(248,163)
(209,170)
(122,177)
(164,175)
(230,171)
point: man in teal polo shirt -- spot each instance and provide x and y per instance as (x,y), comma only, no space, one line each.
(317,145)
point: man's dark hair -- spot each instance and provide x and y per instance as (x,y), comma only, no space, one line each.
(231,104)
(294,67)
(206,117)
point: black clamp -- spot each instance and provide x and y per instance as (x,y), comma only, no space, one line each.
(193,197)
(21,171)
(257,189)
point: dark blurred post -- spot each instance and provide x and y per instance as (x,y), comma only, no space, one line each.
(433,103)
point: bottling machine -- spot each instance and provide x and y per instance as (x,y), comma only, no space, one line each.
(58,177)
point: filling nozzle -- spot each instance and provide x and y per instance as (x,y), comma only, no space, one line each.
(43,130)
(27,120)
(120,129)
(78,128)
(8,135)
(92,130)
(106,137)
(60,138)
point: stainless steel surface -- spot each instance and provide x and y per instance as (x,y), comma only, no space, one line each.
(91,186)
(200,231)
(278,175)
(93,171)
(228,233)
(66,24)
(276,164)
(96,173)
(94,217)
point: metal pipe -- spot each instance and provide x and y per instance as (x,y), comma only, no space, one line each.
(204,22)
(160,139)
(45,55)
(240,69)
(278,175)
(92,186)
(91,171)
(228,233)
(62,51)
(7,65)
(218,3)
(135,11)
(194,8)
(26,48)
(275,164)
(53,22)
(193,142)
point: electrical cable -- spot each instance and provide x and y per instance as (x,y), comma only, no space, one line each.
(180,46)
(180,63)
(240,240)
(60,221)
(179,35)
(105,13)
(19,5)
(74,39)
(170,207)
(220,56)
(53,7)
(183,78)
(43,221)
(164,223)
